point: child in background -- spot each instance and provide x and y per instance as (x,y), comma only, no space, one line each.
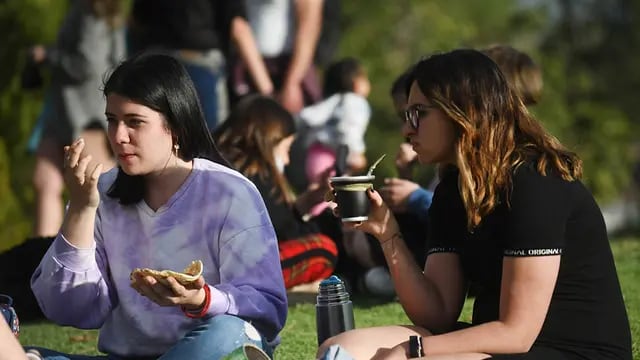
(340,119)
(256,139)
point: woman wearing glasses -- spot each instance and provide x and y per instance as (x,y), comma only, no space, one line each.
(511,217)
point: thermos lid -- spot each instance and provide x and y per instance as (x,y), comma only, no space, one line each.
(332,291)
(332,280)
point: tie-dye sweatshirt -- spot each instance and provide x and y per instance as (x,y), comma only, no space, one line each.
(216,216)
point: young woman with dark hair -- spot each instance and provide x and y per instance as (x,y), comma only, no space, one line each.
(171,96)
(171,200)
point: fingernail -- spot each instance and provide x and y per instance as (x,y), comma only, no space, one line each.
(80,140)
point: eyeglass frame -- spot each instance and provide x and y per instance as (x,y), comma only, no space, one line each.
(415,112)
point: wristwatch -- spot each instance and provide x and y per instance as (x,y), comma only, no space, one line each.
(415,346)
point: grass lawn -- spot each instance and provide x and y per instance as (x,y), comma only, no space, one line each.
(299,336)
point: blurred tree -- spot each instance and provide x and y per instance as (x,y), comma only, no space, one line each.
(589,63)
(389,36)
(22,23)
(580,44)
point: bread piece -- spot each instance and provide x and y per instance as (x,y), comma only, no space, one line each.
(189,275)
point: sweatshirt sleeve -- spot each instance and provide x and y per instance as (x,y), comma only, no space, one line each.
(251,284)
(71,285)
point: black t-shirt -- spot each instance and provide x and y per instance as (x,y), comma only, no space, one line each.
(286,221)
(192,24)
(548,216)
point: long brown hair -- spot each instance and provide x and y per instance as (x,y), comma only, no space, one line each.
(248,137)
(520,71)
(495,132)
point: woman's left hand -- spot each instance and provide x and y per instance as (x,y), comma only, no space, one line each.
(169,292)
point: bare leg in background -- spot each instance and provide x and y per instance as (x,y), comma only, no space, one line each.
(48,181)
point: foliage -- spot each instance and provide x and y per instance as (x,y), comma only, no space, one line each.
(584,105)
(390,36)
(24,23)
(584,53)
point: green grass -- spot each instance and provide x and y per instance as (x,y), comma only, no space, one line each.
(299,336)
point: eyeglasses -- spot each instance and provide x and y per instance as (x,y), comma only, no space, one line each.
(416,112)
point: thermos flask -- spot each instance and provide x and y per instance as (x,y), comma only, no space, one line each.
(334,309)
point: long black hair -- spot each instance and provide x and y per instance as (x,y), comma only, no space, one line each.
(161,83)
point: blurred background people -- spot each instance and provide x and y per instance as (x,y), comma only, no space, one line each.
(256,139)
(287,34)
(200,33)
(408,200)
(341,118)
(89,43)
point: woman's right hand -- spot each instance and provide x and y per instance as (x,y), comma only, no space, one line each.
(406,157)
(81,182)
(380,223)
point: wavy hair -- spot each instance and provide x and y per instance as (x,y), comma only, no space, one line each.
(248,138)
(495,132)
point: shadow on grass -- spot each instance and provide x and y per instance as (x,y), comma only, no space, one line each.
(360,300)
(365,301)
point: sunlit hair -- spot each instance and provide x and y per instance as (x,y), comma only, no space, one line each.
(494,131)
(248,138)
(520,70)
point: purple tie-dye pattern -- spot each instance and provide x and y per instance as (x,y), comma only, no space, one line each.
(217,216)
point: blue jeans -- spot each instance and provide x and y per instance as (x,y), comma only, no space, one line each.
(38,127)
(207,71)
(210,340)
